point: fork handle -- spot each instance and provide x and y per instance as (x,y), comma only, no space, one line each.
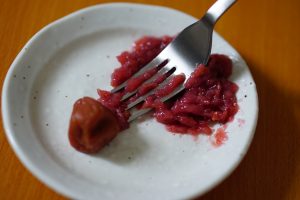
(217,10)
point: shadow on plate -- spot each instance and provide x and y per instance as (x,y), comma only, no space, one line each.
(127,147)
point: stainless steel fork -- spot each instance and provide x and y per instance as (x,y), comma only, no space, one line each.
(191,47)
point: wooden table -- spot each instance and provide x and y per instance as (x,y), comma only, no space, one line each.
(265,32)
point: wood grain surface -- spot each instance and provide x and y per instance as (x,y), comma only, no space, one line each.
(265,32)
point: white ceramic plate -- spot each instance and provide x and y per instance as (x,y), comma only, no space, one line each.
(74,56)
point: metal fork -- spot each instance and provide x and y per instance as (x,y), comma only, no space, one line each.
(191,47)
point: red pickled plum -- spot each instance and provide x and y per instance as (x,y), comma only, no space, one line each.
(92,126)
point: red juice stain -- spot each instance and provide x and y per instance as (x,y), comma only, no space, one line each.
(196,138)
(225,126)
(219,137)
(241,122)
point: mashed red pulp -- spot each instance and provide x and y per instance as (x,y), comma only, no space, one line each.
(209,97)
(144,50)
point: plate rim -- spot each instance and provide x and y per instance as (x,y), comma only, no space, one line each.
(40,174)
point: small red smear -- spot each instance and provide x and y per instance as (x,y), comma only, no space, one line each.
(225,126)
(241,122)
(230,119)
(196,138)
(219,137)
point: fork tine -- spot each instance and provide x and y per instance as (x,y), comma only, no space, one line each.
(162,71)
(172,94)
(142,98)
(153,63)
(136,113)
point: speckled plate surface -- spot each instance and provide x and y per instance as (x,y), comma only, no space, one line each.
(74,56)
